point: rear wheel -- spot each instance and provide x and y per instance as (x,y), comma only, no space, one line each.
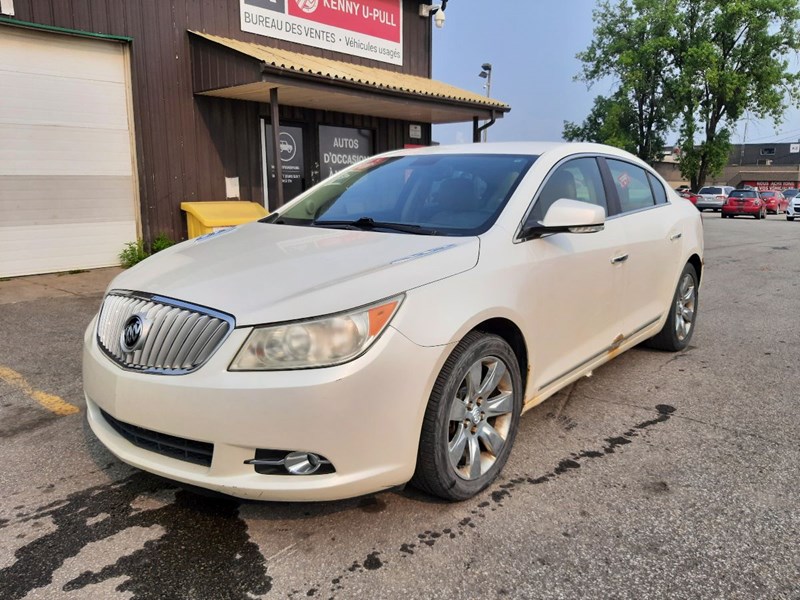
(471,419)
(679,327)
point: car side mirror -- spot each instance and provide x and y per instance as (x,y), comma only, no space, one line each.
(567,216)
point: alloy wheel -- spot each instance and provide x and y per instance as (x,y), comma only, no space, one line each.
(685,306)
(480,417)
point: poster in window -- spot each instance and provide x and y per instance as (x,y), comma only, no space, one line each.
(292,159)
(340,147)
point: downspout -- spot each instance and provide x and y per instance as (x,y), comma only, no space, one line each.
(478,130)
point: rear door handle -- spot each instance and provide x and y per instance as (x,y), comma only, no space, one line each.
(675,236)
(619,259)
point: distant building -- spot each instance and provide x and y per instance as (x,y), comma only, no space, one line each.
(766,166)
(770,166)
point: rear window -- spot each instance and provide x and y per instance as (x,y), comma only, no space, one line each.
(710,190)
(658,190)
(744,194)
(633,188)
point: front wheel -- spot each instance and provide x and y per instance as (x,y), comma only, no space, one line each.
(471,419)
(679,327)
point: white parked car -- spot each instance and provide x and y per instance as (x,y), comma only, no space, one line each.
(793,209)
(392,323)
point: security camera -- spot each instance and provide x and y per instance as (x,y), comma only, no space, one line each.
(438,18)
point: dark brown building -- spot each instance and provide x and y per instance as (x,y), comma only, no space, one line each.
(114,112)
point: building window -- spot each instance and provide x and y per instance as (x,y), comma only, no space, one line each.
(768,151)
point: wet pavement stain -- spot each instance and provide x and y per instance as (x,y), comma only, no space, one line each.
(205,547)
(372,562)
(430,538)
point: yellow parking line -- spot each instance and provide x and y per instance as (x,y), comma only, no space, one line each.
(51,402)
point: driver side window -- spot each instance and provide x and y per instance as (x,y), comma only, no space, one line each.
(577,179)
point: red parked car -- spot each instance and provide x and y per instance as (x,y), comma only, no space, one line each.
(689,195)
(776,202)
(744,202)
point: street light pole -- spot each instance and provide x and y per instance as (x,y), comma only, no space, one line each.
(486,73)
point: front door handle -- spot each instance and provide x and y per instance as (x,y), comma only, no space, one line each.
(675,236)
(619,259)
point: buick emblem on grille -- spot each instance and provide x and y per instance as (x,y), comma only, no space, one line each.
(133,333)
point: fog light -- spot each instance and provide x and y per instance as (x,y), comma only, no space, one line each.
(301,463)
(281,462)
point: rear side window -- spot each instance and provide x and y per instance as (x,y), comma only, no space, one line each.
(658,190)
(632,185)
(577,179)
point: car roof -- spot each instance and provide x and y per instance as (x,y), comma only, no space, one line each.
(525,148)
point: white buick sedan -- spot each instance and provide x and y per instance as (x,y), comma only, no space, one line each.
(392,323)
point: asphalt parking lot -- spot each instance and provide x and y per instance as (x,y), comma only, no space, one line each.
(662,476)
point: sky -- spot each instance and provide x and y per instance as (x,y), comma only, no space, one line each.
(531,45)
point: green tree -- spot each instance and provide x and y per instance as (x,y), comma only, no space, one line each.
(611,121)
(730,57)
(634,45)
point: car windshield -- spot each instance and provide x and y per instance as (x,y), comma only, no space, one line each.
(767,194)
(744,194)
(790,193)
(445,194)
(710,190)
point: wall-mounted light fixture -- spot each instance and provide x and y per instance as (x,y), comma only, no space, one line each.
(437,10)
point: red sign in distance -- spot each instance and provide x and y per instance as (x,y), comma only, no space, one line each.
(378,18)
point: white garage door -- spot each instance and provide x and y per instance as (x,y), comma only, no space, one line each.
(66,175)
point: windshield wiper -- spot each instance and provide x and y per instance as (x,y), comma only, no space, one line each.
(368,223)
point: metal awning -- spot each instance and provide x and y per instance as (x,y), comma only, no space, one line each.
(325,84)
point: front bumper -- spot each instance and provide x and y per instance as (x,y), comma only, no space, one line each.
(364,416)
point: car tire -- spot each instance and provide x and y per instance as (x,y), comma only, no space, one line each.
(678,329)
(457,418)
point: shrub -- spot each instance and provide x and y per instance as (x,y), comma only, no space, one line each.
(132,253)
(162,242)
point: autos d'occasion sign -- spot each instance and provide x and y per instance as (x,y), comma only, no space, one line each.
(340,147)
(367,28)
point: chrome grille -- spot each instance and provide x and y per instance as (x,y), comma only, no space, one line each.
(179,337)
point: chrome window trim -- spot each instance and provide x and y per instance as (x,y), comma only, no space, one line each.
(148,297)
(636,212)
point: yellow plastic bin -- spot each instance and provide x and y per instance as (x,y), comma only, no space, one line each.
(207,217)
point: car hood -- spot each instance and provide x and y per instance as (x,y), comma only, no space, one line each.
(264,273)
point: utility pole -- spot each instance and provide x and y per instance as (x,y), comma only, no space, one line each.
(486,73)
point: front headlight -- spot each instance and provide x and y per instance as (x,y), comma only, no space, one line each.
(321,342)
